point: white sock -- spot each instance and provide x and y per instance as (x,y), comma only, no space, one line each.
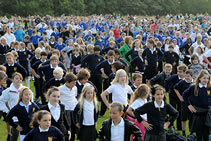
(28,83)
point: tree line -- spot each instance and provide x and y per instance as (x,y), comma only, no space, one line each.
(89,7)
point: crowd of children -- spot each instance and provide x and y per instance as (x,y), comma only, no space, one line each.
(82,66)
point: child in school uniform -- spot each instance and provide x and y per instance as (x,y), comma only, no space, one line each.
(172,58)
(85,114)
(104,68)
(134,51)
(82,78)
(23,59)
(198,99)
(8,80)
(38,81)
(156,111)
(137,64)
(12,66)
(60,45)
(24,111)
(90,61)
(42,129)
(68,98)
(57,80)
(3,80)
(150,56)
(118,128)
(117,58)
(160,78)
(114,67)
(10,96)
(136,80)
(57,110)
(179,88)
(169,84)
(46,71)
(119,89)
(36,56)
(139,99)
(76,60)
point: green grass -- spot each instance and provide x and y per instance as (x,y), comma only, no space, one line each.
(3,129)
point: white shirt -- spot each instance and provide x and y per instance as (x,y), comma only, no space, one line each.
(195,46)
(88,113)
(176,49)
(201,85)
(118,131)
(68,97)
(200,58)
(10,95)
(49,32)
(138,103)
(157,106)
(55,111)
(207,53)
(10,38)
(26,106)
(119,92)
(43,130)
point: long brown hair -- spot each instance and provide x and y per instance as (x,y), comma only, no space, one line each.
(142,91)
(38,116)
(83,95)
(22,92)
(197,81)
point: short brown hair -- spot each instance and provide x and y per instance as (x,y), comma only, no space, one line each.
(119,105)
(117,65)
(3,75)
(83,74)
(18,74)
(136,75)
(70,77)
(182,67)
(189,71)
(111,53)
(167,65)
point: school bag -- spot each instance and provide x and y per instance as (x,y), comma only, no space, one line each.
(191,138)
(172,135)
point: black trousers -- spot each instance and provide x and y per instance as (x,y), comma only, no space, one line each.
(69,115)
(97,81)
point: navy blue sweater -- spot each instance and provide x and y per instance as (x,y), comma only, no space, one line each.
(16,68)
(203,100)
(23,56)
(152,59)
(107,67)
(169,84)
(181,86)
(23,116)
(53,134)
(156,117)
(90,61)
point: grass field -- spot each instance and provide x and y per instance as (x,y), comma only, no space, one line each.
(3,130)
